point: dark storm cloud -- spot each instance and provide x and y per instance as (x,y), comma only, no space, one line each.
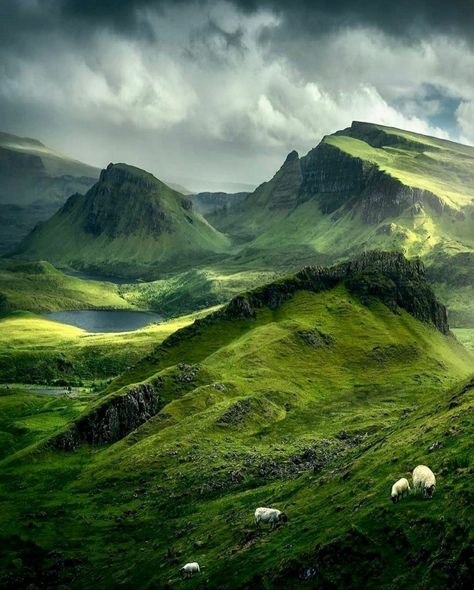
(403,17)
(221,89)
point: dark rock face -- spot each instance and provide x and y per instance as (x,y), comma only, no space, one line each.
(387,276)
(287,183)
(326,169)
(124,202)
(337,179)
(113,419)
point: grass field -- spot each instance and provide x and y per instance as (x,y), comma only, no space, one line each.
(34,349)
(26,416)
(465,336)
(38,286)
(315,406)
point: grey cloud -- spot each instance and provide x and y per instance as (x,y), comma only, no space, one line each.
(224,88)
(404,17)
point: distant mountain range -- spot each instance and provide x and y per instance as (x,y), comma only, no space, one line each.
(34,182)
(365,187)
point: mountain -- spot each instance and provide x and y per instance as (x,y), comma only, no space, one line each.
(128,224)
(34,182)
(365,187)
(312,394)
(393,184)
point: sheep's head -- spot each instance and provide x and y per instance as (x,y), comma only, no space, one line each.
(282,517)
(430,490)
(394,498)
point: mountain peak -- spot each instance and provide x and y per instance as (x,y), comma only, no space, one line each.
(291,157)
(120,173)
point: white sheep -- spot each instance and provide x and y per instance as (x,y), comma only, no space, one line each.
(399,489)
(424,480)
(190,569)
(270,516)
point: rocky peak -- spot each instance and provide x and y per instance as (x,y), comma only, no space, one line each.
(287,183)
(123,173)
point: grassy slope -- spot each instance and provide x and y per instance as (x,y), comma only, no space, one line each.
(192,290)
(26,417)
(38,286)
(256,422)
(442,167)
(38,350)
(466,336)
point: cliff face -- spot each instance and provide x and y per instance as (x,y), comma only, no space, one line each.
(326,169)
(337,179)
(113,419)
(387,276)
(287,184)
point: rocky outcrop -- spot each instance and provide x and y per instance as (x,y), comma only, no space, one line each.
(287,183)
(338,179)
(331,174)
(114,418)
(125,201)
(387,276)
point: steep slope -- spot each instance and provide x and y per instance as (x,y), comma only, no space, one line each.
(365,187)
(311,394)
(34,182)
(127,224)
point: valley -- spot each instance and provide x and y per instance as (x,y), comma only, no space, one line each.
(312,394)
(170,362)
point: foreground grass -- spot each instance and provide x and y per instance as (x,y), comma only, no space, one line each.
(316,408)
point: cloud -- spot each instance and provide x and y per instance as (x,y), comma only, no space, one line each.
(225,89)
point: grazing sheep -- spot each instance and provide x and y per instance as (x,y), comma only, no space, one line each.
(399,489)
(270,516)
(424,480)
(190,569)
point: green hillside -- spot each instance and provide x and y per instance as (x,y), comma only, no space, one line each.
(128,224)
(362,188)
(312,394)
(38,287)
(34,349)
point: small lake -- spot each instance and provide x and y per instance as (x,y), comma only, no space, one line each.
(105,321)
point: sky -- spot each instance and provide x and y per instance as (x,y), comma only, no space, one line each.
(214,94)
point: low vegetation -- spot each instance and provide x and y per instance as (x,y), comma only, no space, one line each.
(34,349)
(38,286)
(310,400)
